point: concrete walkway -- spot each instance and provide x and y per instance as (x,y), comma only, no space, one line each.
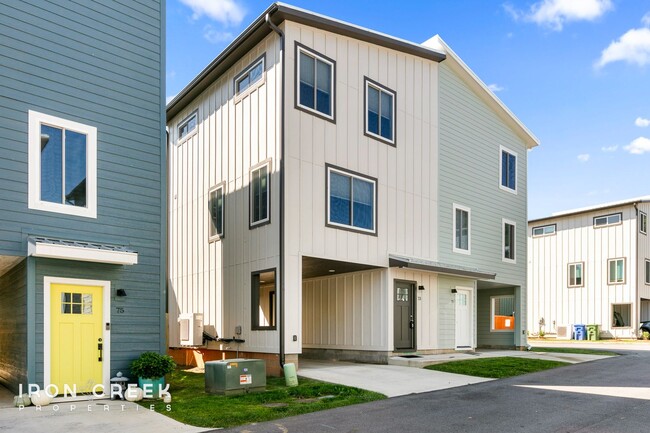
(401,378)
(99,416)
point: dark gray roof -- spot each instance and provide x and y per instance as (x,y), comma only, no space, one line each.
(428,265)
(279,12)
(80,244)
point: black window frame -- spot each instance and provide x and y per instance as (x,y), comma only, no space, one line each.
(218,235)
(261,222)
(370,82)
(298,47)
(352,174)
(255,300)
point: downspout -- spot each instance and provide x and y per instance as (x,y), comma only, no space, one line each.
(637,300)
(280,304)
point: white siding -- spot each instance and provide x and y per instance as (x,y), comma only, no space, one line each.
(234,134)
(576,240)
(644,254)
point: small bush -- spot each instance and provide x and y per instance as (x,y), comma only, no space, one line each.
(645,335)
(152,365)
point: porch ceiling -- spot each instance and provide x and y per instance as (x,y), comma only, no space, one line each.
(481,284)
(314,267)
(8,262)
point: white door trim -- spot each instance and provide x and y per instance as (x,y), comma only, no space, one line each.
(470,307)
(106,314)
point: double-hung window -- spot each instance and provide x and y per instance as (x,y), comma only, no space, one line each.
(643,223)
(461,229)
(380,112)
(252,74)
(216,207)
(608,220)
(508,170)
(616,271)
(351,200)
(509,229)
(315,82)
(576,275)
(544,230)
(260,192)
(62,166)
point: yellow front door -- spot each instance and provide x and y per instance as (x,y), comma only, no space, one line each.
(76,327)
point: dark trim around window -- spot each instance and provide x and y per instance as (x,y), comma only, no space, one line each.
(327,200)
(297,82)
(251,224)
(255,326)
(367,80)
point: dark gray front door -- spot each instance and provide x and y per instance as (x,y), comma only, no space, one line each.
(404,317)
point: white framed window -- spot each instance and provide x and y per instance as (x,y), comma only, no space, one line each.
(188,126)
(380,111)
(608,220)
(502,313)
(351,200)
(621,315)
(62,165)
(576,274)
(643,222)
(260,195)
(216,209)
(315,82)
(509,229)
(546,230)
(616,271)
(251,75)
(647,271)
(462,229)
(508,170)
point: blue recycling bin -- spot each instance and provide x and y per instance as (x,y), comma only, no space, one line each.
(579,332)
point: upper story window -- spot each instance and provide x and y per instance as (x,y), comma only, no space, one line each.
(252,74)
(508,170)
(616,271)
(188,125)
(461,229)
(260,192)
(544,230)
(608,220)
(216,207)
(509,229)
(575,275)
(315,82)
(647,271)
(380,111)
(643,223)
(351,200)
(62,166)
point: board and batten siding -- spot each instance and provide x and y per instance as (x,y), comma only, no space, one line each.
(576,240)
(234,133)
(13,327)
(643,255)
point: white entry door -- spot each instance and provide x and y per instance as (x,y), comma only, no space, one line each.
(464,322)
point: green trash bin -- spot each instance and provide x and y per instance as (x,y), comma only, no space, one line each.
(593,333)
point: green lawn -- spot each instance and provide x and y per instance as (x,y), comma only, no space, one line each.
(191,405)
(573,350)
(496,368)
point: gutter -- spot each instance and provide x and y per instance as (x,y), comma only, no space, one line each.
(637,279)
(280,305)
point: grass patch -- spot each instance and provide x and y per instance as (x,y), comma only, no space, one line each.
(496,368)
(191,405)
(573,350)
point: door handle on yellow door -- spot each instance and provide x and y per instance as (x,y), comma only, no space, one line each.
(100,348)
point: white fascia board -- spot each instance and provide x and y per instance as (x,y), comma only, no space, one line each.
(69,252)
(488,96)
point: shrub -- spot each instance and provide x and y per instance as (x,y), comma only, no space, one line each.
(151,365)
(646,335)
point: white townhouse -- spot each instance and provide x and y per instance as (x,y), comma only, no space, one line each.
(590,266)
(337,192)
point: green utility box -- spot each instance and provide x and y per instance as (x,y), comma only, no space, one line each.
(235,376)
(593,332)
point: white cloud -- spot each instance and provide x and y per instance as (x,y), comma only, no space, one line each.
(495,87)
(169,99)
(632,47)
(598,192)
(609,148)
(555,13)
(227,12)
(641,122)
(646,19)
(215,36)
(638,146)
(584,157)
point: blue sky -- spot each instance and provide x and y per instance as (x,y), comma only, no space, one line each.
(576,72)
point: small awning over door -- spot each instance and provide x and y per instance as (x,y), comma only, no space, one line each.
(396,261)
(81,251)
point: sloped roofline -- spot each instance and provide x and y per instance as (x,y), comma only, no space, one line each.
(258,29)
(483,91)
(602,206)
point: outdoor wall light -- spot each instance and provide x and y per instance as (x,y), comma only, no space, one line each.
(121,292)
(420,287)
(454,291)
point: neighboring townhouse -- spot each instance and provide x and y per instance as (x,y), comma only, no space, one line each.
(337,192)
(82,190)
(590,266)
